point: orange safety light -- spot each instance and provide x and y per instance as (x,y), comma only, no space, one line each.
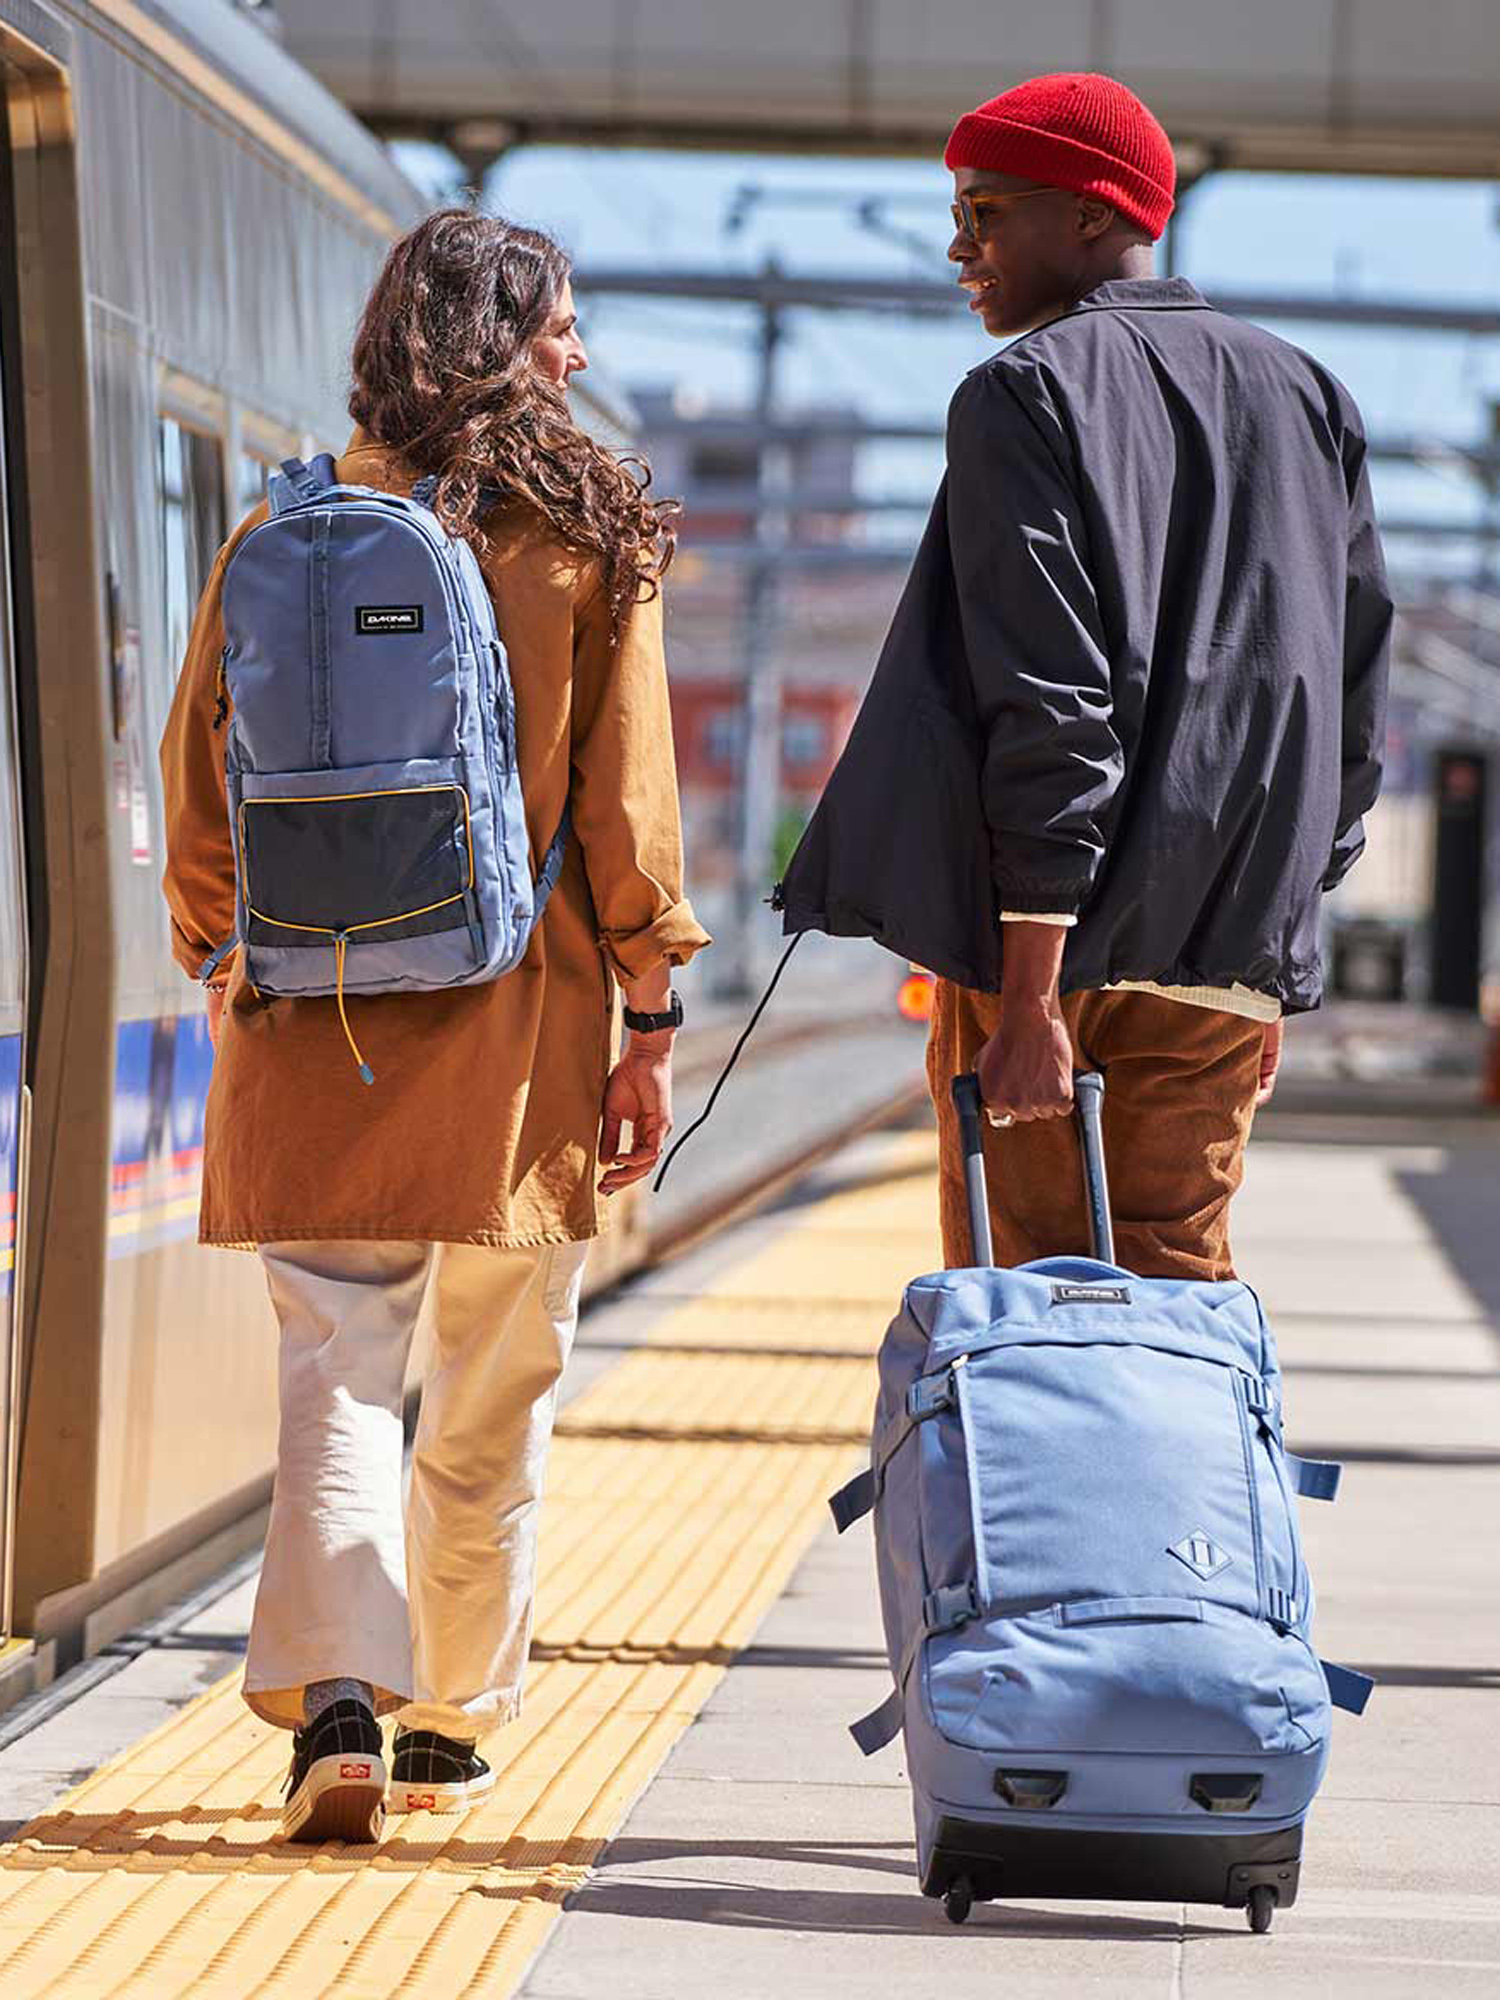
(914,1001)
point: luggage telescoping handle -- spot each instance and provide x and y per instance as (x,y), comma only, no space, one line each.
(970,1106)
(1088,1104)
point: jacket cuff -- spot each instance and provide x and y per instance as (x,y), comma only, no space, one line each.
(1054,904)
(674,936)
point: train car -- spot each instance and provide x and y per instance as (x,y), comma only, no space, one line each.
(191,225)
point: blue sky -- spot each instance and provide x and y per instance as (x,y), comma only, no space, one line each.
(1415,240)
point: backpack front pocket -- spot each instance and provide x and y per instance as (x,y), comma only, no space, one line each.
(358,880)
(316,867)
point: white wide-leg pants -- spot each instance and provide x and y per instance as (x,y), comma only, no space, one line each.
(434,1611)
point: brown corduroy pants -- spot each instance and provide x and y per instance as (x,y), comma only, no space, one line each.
(1179,1096)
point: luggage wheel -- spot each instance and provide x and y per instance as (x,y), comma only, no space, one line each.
(1261,1907)
(959,1900)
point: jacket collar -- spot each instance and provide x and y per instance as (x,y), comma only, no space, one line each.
(1144,295)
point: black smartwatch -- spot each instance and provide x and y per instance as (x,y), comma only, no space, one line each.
(652,1024)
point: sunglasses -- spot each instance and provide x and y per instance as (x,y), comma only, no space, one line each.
(969,210)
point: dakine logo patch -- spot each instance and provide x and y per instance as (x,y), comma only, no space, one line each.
(387,617)
(1090,1295)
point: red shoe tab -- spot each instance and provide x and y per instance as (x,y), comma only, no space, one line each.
(420,1801)
(354,1770)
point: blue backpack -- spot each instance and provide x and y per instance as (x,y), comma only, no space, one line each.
(379,831)
(1096,1608)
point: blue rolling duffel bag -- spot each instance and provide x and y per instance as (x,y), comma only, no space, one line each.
(1096,1608)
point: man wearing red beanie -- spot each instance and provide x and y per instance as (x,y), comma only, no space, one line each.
(1131,709)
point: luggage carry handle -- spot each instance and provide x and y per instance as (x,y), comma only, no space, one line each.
(1088,1104)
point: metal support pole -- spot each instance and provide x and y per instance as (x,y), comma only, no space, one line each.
(760,768)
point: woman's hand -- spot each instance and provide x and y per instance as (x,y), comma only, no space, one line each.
(639,1093)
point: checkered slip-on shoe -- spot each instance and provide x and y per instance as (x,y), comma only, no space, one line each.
(336,1786)
(432,1773)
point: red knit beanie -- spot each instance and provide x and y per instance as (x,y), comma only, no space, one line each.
(1085,133)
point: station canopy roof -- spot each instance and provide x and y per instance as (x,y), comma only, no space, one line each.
(1379,86)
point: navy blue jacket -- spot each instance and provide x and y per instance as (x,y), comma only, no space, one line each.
(1139,669)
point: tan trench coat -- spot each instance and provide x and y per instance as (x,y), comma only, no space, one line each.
(483,1123)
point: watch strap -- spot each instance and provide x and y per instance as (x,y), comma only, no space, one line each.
(652,1024)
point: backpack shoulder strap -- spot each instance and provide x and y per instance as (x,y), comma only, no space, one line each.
(297,483)
(425,492)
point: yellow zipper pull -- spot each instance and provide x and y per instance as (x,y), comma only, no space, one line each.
(340,953)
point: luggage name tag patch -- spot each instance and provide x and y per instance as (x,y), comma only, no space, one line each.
(1090,1295)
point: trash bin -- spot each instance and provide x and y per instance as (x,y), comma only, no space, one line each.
(1369,959)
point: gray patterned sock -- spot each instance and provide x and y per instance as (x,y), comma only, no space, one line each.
(318,1695)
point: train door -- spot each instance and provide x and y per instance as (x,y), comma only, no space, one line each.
(57,935)
(14,1098)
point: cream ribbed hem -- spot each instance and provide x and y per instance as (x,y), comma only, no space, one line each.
(1236,999)
(1242,1000)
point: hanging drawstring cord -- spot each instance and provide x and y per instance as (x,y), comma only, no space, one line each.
(340,952)
(734,1056)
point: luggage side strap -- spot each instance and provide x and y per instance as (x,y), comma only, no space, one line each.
(1346,1688)
(852,1502)
(942,1611)
(926,1397)
(1314,1478)
(882,1725)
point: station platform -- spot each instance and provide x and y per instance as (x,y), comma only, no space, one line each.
(680,1808)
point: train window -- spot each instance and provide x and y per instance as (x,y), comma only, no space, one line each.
(192,488)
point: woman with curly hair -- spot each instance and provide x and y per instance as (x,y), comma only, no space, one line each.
(472,1177)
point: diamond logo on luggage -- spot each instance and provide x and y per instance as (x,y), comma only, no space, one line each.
(1202,1555)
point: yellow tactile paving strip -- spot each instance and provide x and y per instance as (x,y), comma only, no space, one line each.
(685,1485)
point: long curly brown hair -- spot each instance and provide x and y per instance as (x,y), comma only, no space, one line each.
(443,374)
